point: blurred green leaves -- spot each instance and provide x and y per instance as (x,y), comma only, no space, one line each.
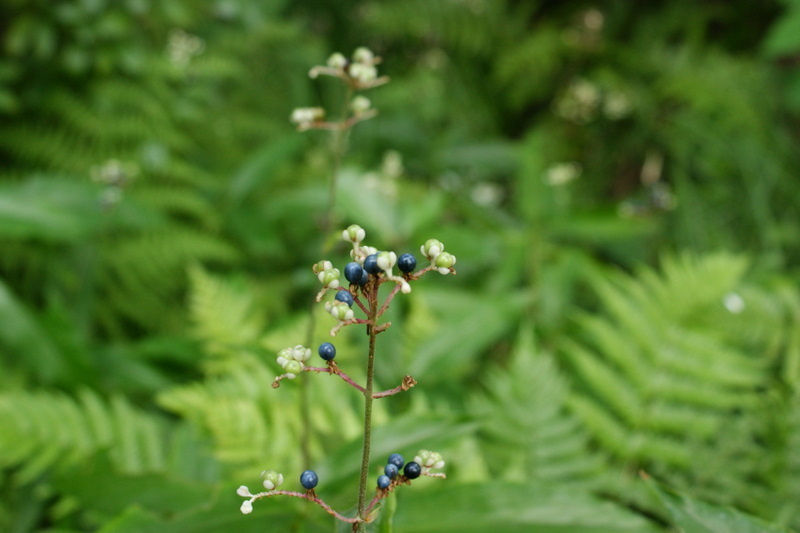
(617,181)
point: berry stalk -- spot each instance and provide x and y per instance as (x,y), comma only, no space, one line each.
(362,485)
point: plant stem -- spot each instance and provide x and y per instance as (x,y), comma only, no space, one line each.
(338,147)
(362,486)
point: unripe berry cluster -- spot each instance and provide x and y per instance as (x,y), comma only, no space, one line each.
(292,360)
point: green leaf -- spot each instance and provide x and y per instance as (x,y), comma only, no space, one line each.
(696,516)
(511,508)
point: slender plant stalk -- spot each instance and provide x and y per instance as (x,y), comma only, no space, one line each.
(338,148)
(362,485)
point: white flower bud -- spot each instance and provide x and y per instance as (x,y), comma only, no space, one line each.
(247,507)
(432,248)
(243,491)
(339,310)
(293,367)
(443,262)
(329,278)
(337,60)
(272,479)
(363,55)
(304,116)
(360,104)
(364,73)
(354,233)
(321,266)
(386,260)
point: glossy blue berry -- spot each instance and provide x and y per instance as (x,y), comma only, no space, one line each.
(353,272)
(412,470)
(346,297)
(406,263)
(371,264)
(309,479)
(327,351)
(384,482)
(397,460)
(364,277)
(391,470)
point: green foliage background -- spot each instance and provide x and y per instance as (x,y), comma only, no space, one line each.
(619,181)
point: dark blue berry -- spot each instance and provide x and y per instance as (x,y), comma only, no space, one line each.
(364,277)
(353,272)
(346,297)
(384,482)
(406,263)
(309,479)
(327,351)
(412,470)
(371,264)
(391,470)
(397,460)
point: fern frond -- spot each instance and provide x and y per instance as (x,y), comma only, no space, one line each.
(43,431)
(524,421)
(664,388)
(145,273)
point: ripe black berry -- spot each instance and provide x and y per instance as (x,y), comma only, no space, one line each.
(371,264)
(406,263)
(397,460)
(327,351)
(353,272)
(309,479)
(346,297)
(412,470)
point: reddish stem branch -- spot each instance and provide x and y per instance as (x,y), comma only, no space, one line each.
(310,496)
(333,368)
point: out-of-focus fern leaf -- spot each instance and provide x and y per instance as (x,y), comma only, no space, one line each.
(224,317)
(528,434)
(662,387)
(252,424)
(43,431)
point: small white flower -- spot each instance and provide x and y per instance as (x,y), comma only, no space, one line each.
(432,248)
(360,104)
(244,492)
(247,507)
(733,303)
(329,278)
(354,233)
(304,117)
(562,173)
(364,73)
(337,60)
(339,310)
(272,479)
(443,262)
(364,55)
(386,260)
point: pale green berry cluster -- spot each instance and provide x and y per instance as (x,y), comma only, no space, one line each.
(292,359)
(326,274)
(339,310)
(271,479)
(429,460)
(442,261)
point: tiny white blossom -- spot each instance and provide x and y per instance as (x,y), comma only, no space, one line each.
(247,507)
(364,73)
(337,60)
(243,491)
(363,55)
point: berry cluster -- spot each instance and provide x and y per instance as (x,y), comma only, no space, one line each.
(423,462)
(359,72)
